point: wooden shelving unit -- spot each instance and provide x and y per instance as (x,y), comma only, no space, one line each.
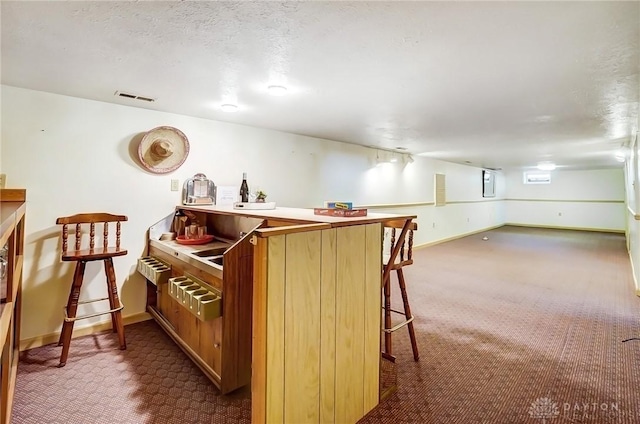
(12,214)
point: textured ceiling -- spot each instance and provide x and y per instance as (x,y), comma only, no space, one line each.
(494,84)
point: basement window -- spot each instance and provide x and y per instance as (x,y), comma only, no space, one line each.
(536,177)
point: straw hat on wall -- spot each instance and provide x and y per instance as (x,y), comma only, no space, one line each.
(163,149)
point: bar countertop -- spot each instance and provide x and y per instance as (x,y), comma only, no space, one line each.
(298,215)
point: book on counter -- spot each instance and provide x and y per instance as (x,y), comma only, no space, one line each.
(346,213)
(338,205)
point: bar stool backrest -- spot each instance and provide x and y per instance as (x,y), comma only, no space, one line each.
(83,220)
(405,255)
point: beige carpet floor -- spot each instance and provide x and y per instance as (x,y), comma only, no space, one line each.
(525,327)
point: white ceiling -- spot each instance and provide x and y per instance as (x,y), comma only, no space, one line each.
(494,84)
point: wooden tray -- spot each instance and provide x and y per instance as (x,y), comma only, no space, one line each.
(203,240)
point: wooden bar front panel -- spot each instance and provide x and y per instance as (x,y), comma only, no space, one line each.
(328,327)
(302,342)
(350,315)
(317,315)
(275,319)
(372,321)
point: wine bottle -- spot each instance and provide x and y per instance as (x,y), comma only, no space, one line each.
(244,189)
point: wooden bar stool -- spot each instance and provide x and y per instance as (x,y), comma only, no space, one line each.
(400,255)
(103,253)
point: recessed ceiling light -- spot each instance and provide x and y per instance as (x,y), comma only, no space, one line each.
(277,90)
(546,166)
(229,108)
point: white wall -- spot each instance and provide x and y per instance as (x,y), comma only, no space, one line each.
(74,155)
(466,210)
(590,199)
(632,181)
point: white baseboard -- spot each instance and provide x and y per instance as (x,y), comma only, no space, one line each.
(46,339)
(444,240)
(633,274)
(554,227)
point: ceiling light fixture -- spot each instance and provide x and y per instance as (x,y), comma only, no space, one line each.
(277,90)
(546,166)
(229,108)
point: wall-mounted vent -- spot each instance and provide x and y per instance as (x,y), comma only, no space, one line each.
(134,96)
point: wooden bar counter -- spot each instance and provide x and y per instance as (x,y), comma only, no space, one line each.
(300,308)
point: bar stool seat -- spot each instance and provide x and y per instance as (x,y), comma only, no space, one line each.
(93,254)
(82,256)
(400,254)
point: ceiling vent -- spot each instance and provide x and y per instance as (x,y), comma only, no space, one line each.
(134,96)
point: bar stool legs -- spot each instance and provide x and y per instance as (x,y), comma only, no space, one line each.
(407,314)
(114,302)
(388,329)
(388,343)
(72,308)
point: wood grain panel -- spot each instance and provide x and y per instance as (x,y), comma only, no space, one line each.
(275,379)
(350,286)
(7,222)
(372,321)
(245,294)
(5,321)
(13,194)
(209,348)
(328,327)
(162,300)
(259,336)
(174,315)
(270,232)
(187,327)
(236,316)
(302,327)
(5,377)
